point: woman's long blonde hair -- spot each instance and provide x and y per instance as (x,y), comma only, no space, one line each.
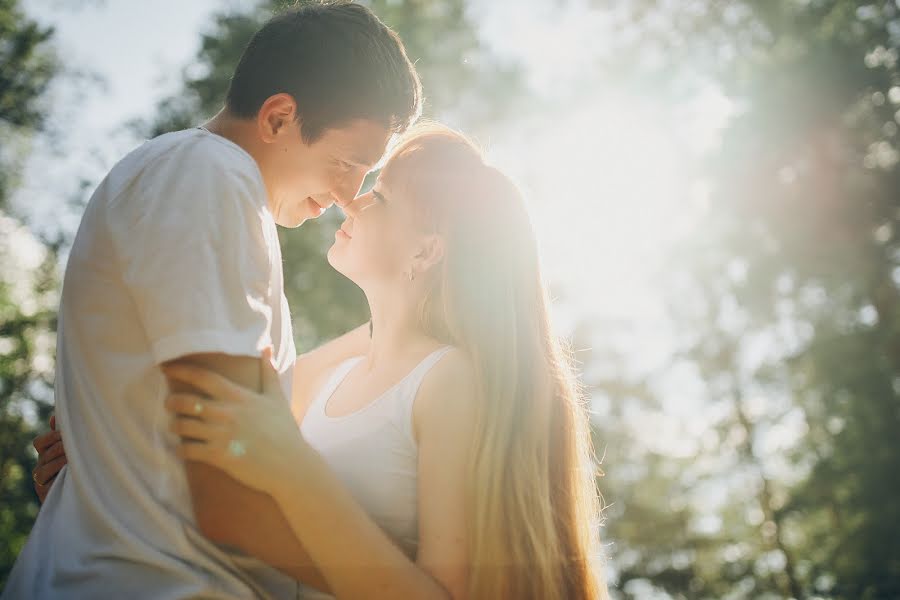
(532,505)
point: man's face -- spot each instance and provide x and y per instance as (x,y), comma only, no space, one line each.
(305,179)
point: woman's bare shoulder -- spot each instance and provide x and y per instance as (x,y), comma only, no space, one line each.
(448,392)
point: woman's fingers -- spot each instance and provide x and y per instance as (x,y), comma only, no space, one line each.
(197,430)
(200,452)
(45,440)
(204,409)
(53,422)
(215,385)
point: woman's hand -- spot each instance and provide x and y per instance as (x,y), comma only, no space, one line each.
(251,436)
(51,458)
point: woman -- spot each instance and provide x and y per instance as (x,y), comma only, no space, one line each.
(451,459)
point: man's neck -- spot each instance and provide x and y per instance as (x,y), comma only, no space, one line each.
(243,133)
(233,129)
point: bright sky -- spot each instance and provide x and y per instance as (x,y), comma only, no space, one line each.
(138,51)
(138,47)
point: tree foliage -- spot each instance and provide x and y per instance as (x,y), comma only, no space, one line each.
(787,308)
(27,317)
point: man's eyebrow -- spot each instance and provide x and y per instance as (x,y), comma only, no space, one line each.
(353,157)
(362,156)
(363,161)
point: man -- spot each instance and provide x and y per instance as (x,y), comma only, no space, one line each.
(177,258)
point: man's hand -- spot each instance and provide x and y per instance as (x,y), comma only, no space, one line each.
(51,458)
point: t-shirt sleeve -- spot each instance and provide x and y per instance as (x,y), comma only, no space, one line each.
(193,248)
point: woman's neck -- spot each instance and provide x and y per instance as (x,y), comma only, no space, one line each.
(396,331)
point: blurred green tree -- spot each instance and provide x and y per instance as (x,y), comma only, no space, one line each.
(27,309)
(787,304)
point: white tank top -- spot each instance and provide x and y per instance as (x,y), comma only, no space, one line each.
(373,450)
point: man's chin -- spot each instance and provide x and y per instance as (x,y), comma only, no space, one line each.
(292,219)
(291,224)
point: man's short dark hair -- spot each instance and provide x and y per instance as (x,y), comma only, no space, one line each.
(337,60)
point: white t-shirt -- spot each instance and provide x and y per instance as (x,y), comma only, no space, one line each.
(177,253)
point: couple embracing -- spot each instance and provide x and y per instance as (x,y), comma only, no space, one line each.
(440,450)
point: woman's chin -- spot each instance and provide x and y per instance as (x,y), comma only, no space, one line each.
(334,258)
(339,263)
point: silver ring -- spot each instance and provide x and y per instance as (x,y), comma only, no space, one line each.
(198,408)
(237,448)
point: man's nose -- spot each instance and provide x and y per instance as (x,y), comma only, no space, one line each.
(347,189)
(350,208)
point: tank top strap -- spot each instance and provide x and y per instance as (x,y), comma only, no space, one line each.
(338,375)
(407,392)
(415,377)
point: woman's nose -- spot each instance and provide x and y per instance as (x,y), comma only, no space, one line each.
(348,208)
(353,208)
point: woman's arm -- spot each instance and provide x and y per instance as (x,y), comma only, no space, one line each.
(353,554)
(311,366)
(444,416)
(274,541)
(271,539)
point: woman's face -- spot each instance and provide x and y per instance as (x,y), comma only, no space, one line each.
(380,237)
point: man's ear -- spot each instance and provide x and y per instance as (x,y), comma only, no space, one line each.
(276,113)
(430,254)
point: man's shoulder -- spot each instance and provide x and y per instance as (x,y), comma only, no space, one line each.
(190,154)
(200,155)
(186,168)
(184,185)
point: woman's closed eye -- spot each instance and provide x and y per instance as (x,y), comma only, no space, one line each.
(366,201)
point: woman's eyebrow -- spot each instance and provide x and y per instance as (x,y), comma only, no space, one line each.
(379,195)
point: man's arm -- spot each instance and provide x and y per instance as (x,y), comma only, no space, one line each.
(230,513)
